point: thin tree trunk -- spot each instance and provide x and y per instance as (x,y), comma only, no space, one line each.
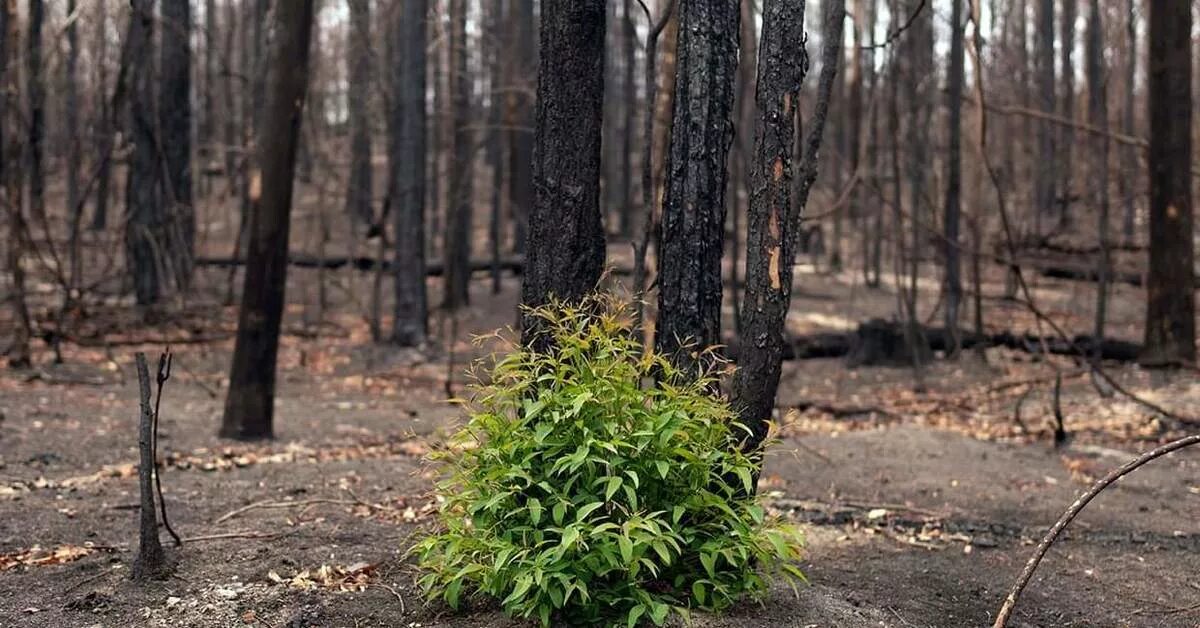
(692,239)
(1067,82)
(565,255)
(36,92)
(521,105)
(457,247)
(407,165)
(144,241)
(1171,308)
(1098,117)
(629,66)
(175,126)
(71,120)
(744,151)
(917,50)
(249,407)
(1129,164)
(105,124)
(358,60)
(774,216)
(952,209)
(1045,169)
(207,131)
(10,184)
(495,135)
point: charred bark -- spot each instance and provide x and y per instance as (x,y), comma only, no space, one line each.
(457,248)
(1171,307)
(692,238)
(565,252)
(10,185)
(358,191)
(521,112)
(249,407)
(952,208)
(406,153)
(145,244)
(175,125)
(36,92)
(774,216)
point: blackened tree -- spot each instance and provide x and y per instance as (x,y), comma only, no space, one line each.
(1170,306)
(406,158)
(249,407)
(565,250)
(693,215)
(774,216)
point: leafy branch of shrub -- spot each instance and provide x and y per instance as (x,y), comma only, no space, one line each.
(576,491)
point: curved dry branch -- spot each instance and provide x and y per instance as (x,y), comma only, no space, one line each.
(1010,602)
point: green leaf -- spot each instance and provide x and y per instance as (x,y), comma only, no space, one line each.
(570,535)
(587,510)
(523,585)
(452,591)
(710,564)
(614,483)
(635,614)
(658,612)
(747,480)
(626,547)
(535,510)
(559,510)
(698,592)
(663,468)
(634,476)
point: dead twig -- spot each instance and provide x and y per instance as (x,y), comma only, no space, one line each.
(282,504)
(164,373)
(1010,602)
(394,592)
(252,534)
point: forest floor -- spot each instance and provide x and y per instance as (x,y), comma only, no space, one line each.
(920,508)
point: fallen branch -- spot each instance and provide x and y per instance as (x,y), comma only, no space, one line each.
(305,260)
(282,504)
(238,535)
(1082,501)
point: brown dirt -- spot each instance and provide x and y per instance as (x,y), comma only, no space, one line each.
(920,510)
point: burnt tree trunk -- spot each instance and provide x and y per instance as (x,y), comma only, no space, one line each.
(36,92)
(71,121)
(771,231)
(151,560)
(952,208)
(457,248)
(565,252)
(144,242)
(629,81)
(1129,158)
(1045,177)
(406,153)
(358,191)
(1067,102)
(249,407)
(693,220)
(10,184)
(106,121)
(175,125)
(1171,307)
(521,116)
(1098,118)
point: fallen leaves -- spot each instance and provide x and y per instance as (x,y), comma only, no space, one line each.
(37,556)
(348,579)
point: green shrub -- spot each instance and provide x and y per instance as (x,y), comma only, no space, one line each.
(575,492)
